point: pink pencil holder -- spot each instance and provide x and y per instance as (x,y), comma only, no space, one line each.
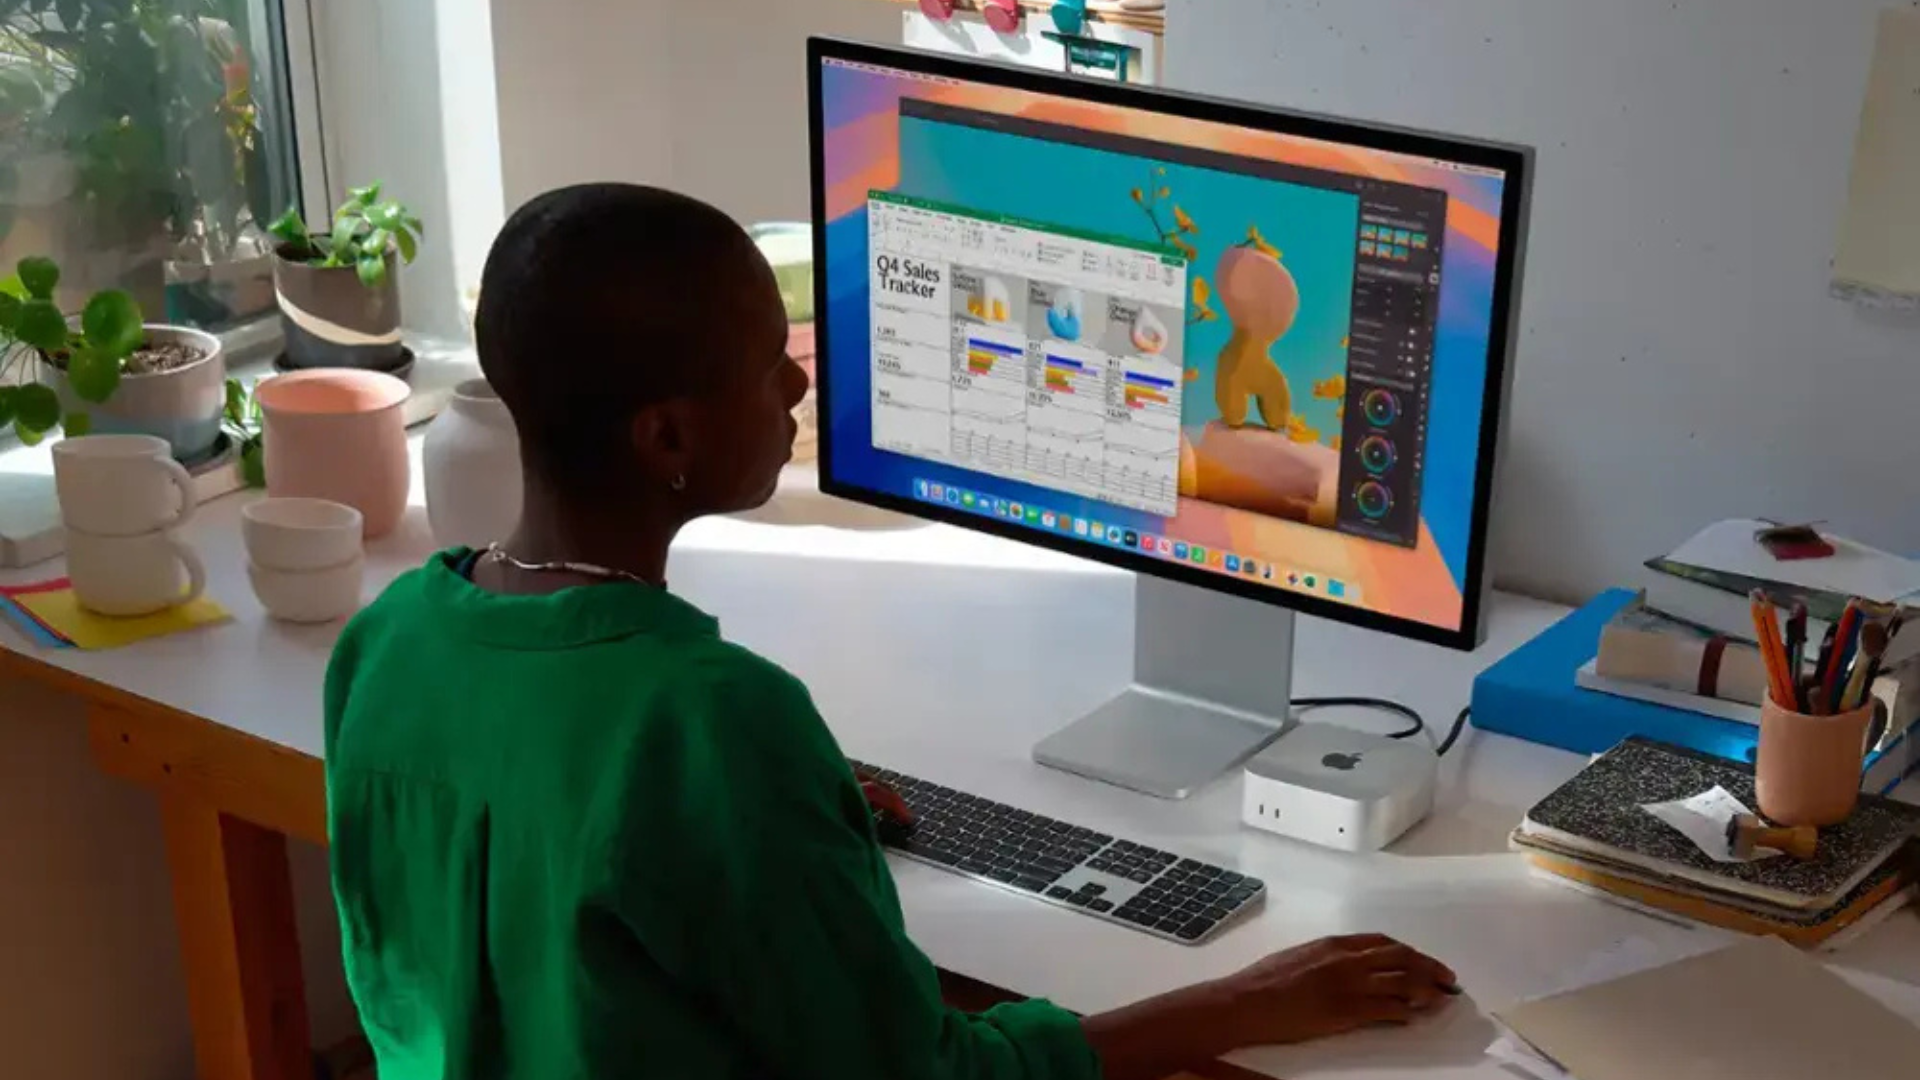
(339,434)
(1807,769)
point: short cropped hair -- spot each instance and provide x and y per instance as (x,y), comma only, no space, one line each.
(596,300)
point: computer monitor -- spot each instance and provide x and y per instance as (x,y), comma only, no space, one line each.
(1254,356)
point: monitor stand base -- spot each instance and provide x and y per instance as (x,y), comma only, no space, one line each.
(1212,686)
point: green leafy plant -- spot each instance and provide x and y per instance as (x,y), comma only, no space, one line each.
(365,229)
(241,420)
(32,328)
(157,104)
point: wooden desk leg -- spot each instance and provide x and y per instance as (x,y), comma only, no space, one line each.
(233,900)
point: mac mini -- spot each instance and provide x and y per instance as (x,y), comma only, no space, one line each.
(1340,788)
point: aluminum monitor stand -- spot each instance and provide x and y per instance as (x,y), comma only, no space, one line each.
(1212,686)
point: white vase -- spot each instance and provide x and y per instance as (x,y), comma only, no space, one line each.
(471,461)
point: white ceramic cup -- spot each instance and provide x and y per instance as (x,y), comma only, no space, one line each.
(309,596)
(120,485)
(301,534)
(133,575)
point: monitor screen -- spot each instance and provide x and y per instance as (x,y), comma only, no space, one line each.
(1248,350)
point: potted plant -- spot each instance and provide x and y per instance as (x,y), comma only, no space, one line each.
(339,298)
(151,126)
(107,371)
(244,425)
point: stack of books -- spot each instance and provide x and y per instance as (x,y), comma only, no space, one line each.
(1687,643)
(1595,833)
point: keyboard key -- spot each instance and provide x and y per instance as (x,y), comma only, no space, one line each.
(1100,905)
(1152,893)
(1101,838)
(1170,925)
(1214,888)
(1094,888)
(1004,875)
(1193,907)
(1195,930)
(1138,918)
(1217,913)
(1159,911)
(1124,845)
(1231,878)
(1141,876)
(1059,892)
(1187,864)
(1029,884)
(1080,899)
(974,866)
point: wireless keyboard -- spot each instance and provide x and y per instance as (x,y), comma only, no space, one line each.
(1158,892)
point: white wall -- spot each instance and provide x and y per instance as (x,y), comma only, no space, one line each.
(1681,361)
(407,97)
(707,97)
(90,984)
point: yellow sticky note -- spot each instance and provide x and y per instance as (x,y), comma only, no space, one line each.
(62,613)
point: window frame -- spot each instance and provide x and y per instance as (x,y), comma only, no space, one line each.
(249,348)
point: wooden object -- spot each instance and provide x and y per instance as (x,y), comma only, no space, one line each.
(1746,833)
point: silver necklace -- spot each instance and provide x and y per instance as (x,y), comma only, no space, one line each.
(496,553)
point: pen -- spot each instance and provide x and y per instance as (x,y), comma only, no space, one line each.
(1830,680)
(1820,665)
(1796,654)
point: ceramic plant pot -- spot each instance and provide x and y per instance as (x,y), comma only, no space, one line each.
(332,320)
(182,405)
(338,435)
(471,466)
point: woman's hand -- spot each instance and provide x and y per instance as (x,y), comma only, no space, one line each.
(1316,990)
(1332,986)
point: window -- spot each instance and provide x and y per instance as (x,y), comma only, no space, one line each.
(145,145)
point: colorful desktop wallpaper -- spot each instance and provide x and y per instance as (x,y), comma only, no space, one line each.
(1234,229)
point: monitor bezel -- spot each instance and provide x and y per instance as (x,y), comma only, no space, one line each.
(1515,161)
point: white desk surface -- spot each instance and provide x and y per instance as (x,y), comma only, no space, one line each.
(947,655)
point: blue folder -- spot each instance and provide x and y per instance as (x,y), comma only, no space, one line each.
(1531,695)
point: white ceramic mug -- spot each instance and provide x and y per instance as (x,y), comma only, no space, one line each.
(120,485)
(301,534)
(133,575)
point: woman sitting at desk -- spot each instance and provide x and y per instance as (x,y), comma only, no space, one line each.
(578,835)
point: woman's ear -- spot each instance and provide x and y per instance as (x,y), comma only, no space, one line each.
(664,441)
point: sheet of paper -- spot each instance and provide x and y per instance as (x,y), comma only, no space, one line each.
(1756,1010)
(1879,249)
(1520,1059)
(1703,819)
(60,612)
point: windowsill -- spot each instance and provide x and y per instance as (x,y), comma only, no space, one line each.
(30,511)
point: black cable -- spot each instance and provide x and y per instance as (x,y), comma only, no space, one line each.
(1377,704)
(1453,735)
(1394,707)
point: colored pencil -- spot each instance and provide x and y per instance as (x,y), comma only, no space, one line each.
(1845,630)
(1766,629)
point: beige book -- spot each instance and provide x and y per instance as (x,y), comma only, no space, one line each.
(1756,1010)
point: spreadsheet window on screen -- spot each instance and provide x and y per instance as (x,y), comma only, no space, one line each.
(1259,354)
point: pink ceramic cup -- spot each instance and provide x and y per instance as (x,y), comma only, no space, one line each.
(1807,768)
(338,434)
